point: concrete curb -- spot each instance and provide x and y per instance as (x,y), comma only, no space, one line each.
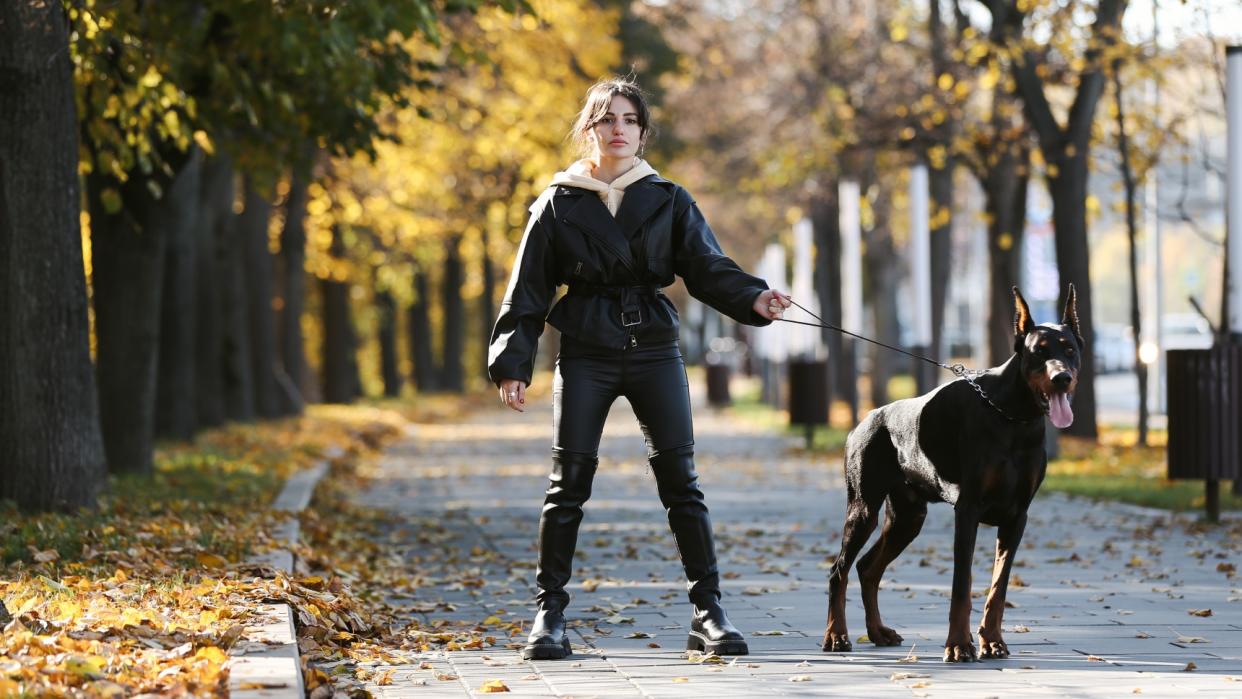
(274,670)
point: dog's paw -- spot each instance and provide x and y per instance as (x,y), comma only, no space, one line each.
(837,643)
(993,649)
(960,652)
(884,636)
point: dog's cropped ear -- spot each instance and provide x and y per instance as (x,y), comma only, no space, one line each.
(1022,322)
(1070,316)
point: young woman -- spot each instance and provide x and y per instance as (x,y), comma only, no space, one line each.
(616,232)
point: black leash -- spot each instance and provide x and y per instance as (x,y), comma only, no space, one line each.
(959,370)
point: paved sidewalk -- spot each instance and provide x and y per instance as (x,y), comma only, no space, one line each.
(1101,594)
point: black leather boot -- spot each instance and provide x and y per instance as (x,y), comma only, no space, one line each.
(569,487)
(710,630)
(548,640)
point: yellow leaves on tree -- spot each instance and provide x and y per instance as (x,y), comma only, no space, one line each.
(491,132)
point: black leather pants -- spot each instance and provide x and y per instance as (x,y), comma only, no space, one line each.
(653,380)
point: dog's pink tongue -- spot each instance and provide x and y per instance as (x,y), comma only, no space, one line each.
(1059,410)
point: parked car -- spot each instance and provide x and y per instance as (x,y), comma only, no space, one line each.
(1113,348)
(1186,331)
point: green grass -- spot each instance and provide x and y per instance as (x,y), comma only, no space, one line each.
(186,486)
(1116,469)
(748,406)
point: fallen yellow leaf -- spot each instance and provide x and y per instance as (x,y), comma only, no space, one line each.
(493,687)
(210,560)
(84,667)
(212,654)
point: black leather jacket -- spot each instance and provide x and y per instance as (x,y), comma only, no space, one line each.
(613,265)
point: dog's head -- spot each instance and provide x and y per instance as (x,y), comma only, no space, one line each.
(1050,356)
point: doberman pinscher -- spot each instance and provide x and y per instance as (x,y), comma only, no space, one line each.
(977,445)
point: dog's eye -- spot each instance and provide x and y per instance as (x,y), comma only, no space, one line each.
(1069,351)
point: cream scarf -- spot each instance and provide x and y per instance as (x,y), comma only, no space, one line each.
(579,175)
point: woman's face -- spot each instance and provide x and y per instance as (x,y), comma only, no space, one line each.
(618,134)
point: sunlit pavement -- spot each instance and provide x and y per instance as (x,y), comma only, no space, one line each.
(1102,594)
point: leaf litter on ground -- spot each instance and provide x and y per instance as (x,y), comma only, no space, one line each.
(150,593)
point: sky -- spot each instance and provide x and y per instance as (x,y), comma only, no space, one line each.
(1179,19)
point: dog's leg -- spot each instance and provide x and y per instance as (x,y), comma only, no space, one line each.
(1008,536)
(958,646)
(904,520)
(860,521)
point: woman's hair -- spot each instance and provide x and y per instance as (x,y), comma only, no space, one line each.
(595,108)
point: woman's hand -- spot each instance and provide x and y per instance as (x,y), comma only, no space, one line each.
(513,394)
(771,304)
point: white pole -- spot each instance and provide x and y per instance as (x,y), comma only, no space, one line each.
(851,257)
(1233,183)
(1153,327)
(778,333)
(761,341)
(920,257)
(804,340)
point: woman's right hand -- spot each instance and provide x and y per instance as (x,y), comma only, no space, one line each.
(513,394)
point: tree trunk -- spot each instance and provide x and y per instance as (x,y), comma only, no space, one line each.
(128,249)
(487,308)
(127,256)
(340,368)
(454,317)
(1131,186)
(1005,189)
(882,271)
(215,216)
(1067,151)
(1069,219)
(253,225)
(50,443)
(940,185)
(421,356)
(388,343)
(237,364)
(826,221)
(293,296)
(174,385)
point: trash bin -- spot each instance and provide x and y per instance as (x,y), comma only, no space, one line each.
(1205,417)
(808,394)
(717,382)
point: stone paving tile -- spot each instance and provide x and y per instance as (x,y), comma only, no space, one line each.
(1090,579)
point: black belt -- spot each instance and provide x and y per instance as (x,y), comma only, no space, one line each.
(616,291)
(631,311)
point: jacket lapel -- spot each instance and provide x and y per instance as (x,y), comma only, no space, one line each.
(641,200)
(591,216)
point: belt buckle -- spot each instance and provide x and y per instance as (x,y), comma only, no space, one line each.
(637,312)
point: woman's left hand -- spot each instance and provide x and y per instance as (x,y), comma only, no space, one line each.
(771,304)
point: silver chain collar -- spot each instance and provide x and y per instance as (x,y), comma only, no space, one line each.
(969,375)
